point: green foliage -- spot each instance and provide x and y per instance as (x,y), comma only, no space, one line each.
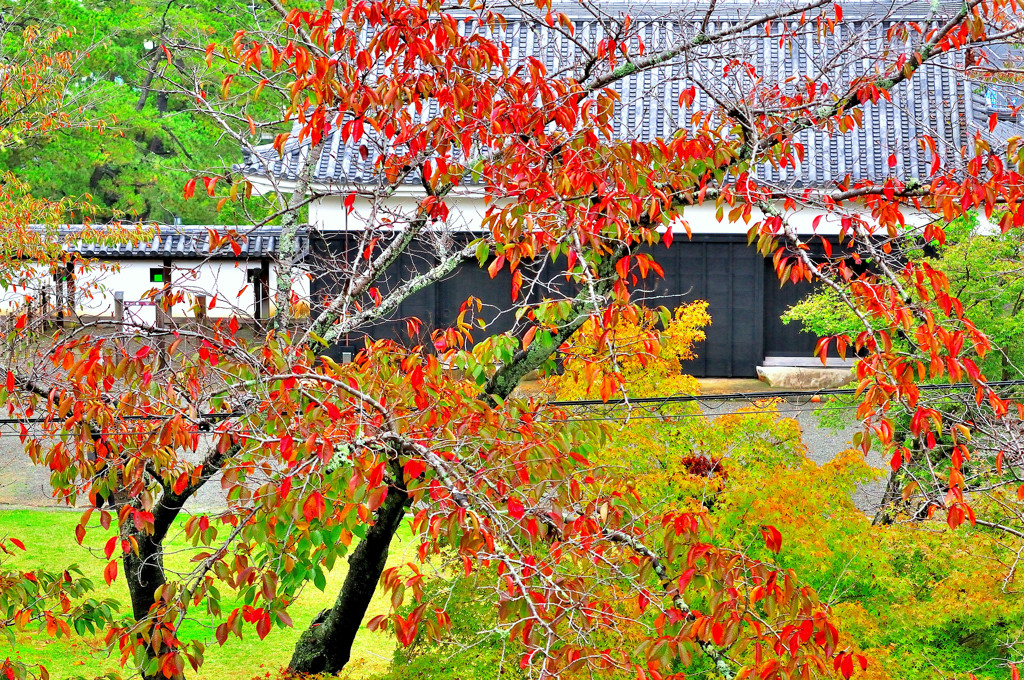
(984,272)
(920,600)
(983,267)
(132,161)
(823,313)
(474,648)
(50,546)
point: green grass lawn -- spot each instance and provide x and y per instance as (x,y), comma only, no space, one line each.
(50,543)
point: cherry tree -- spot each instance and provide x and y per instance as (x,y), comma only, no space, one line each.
(324,460)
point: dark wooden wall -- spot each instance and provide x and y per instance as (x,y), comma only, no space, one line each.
(744,298)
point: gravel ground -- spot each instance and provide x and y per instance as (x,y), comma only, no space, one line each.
(25,485)
(22,484)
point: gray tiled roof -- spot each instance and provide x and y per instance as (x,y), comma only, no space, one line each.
(937,101)
(190,242)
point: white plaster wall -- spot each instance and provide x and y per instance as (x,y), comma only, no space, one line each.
(29,280)
(300,285)
(229,281)
(225,279)
(467,212)
(95,287)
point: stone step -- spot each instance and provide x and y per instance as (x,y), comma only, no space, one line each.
(804,378)
(808,362)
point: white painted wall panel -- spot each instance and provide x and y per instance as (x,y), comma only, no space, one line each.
(467,214)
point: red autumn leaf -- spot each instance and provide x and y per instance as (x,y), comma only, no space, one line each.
(769,668)
(10,381)
(772,538)
(287,447)
(644,263)
(313,508)
(376,476)
(414,467)
(263,626)
(233,325)
(517,282)
(846,668)
(622,267)
(685,578)
(221,634)
(896,460)
(108,549)
(143,352)
(516,508)
(110,572)
(495,266)
(532,527)
(17,543)
(528,336)
(190,188)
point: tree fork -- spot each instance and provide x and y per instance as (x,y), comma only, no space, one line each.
(144,572)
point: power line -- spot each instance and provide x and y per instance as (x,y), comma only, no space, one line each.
(703,414)
(754,396)
(209,418)
(206,418)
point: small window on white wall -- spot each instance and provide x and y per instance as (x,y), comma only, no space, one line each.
(260,280)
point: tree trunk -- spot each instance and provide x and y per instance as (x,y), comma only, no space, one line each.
(144,574)
(288,255)
(326,646)
(887,508)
